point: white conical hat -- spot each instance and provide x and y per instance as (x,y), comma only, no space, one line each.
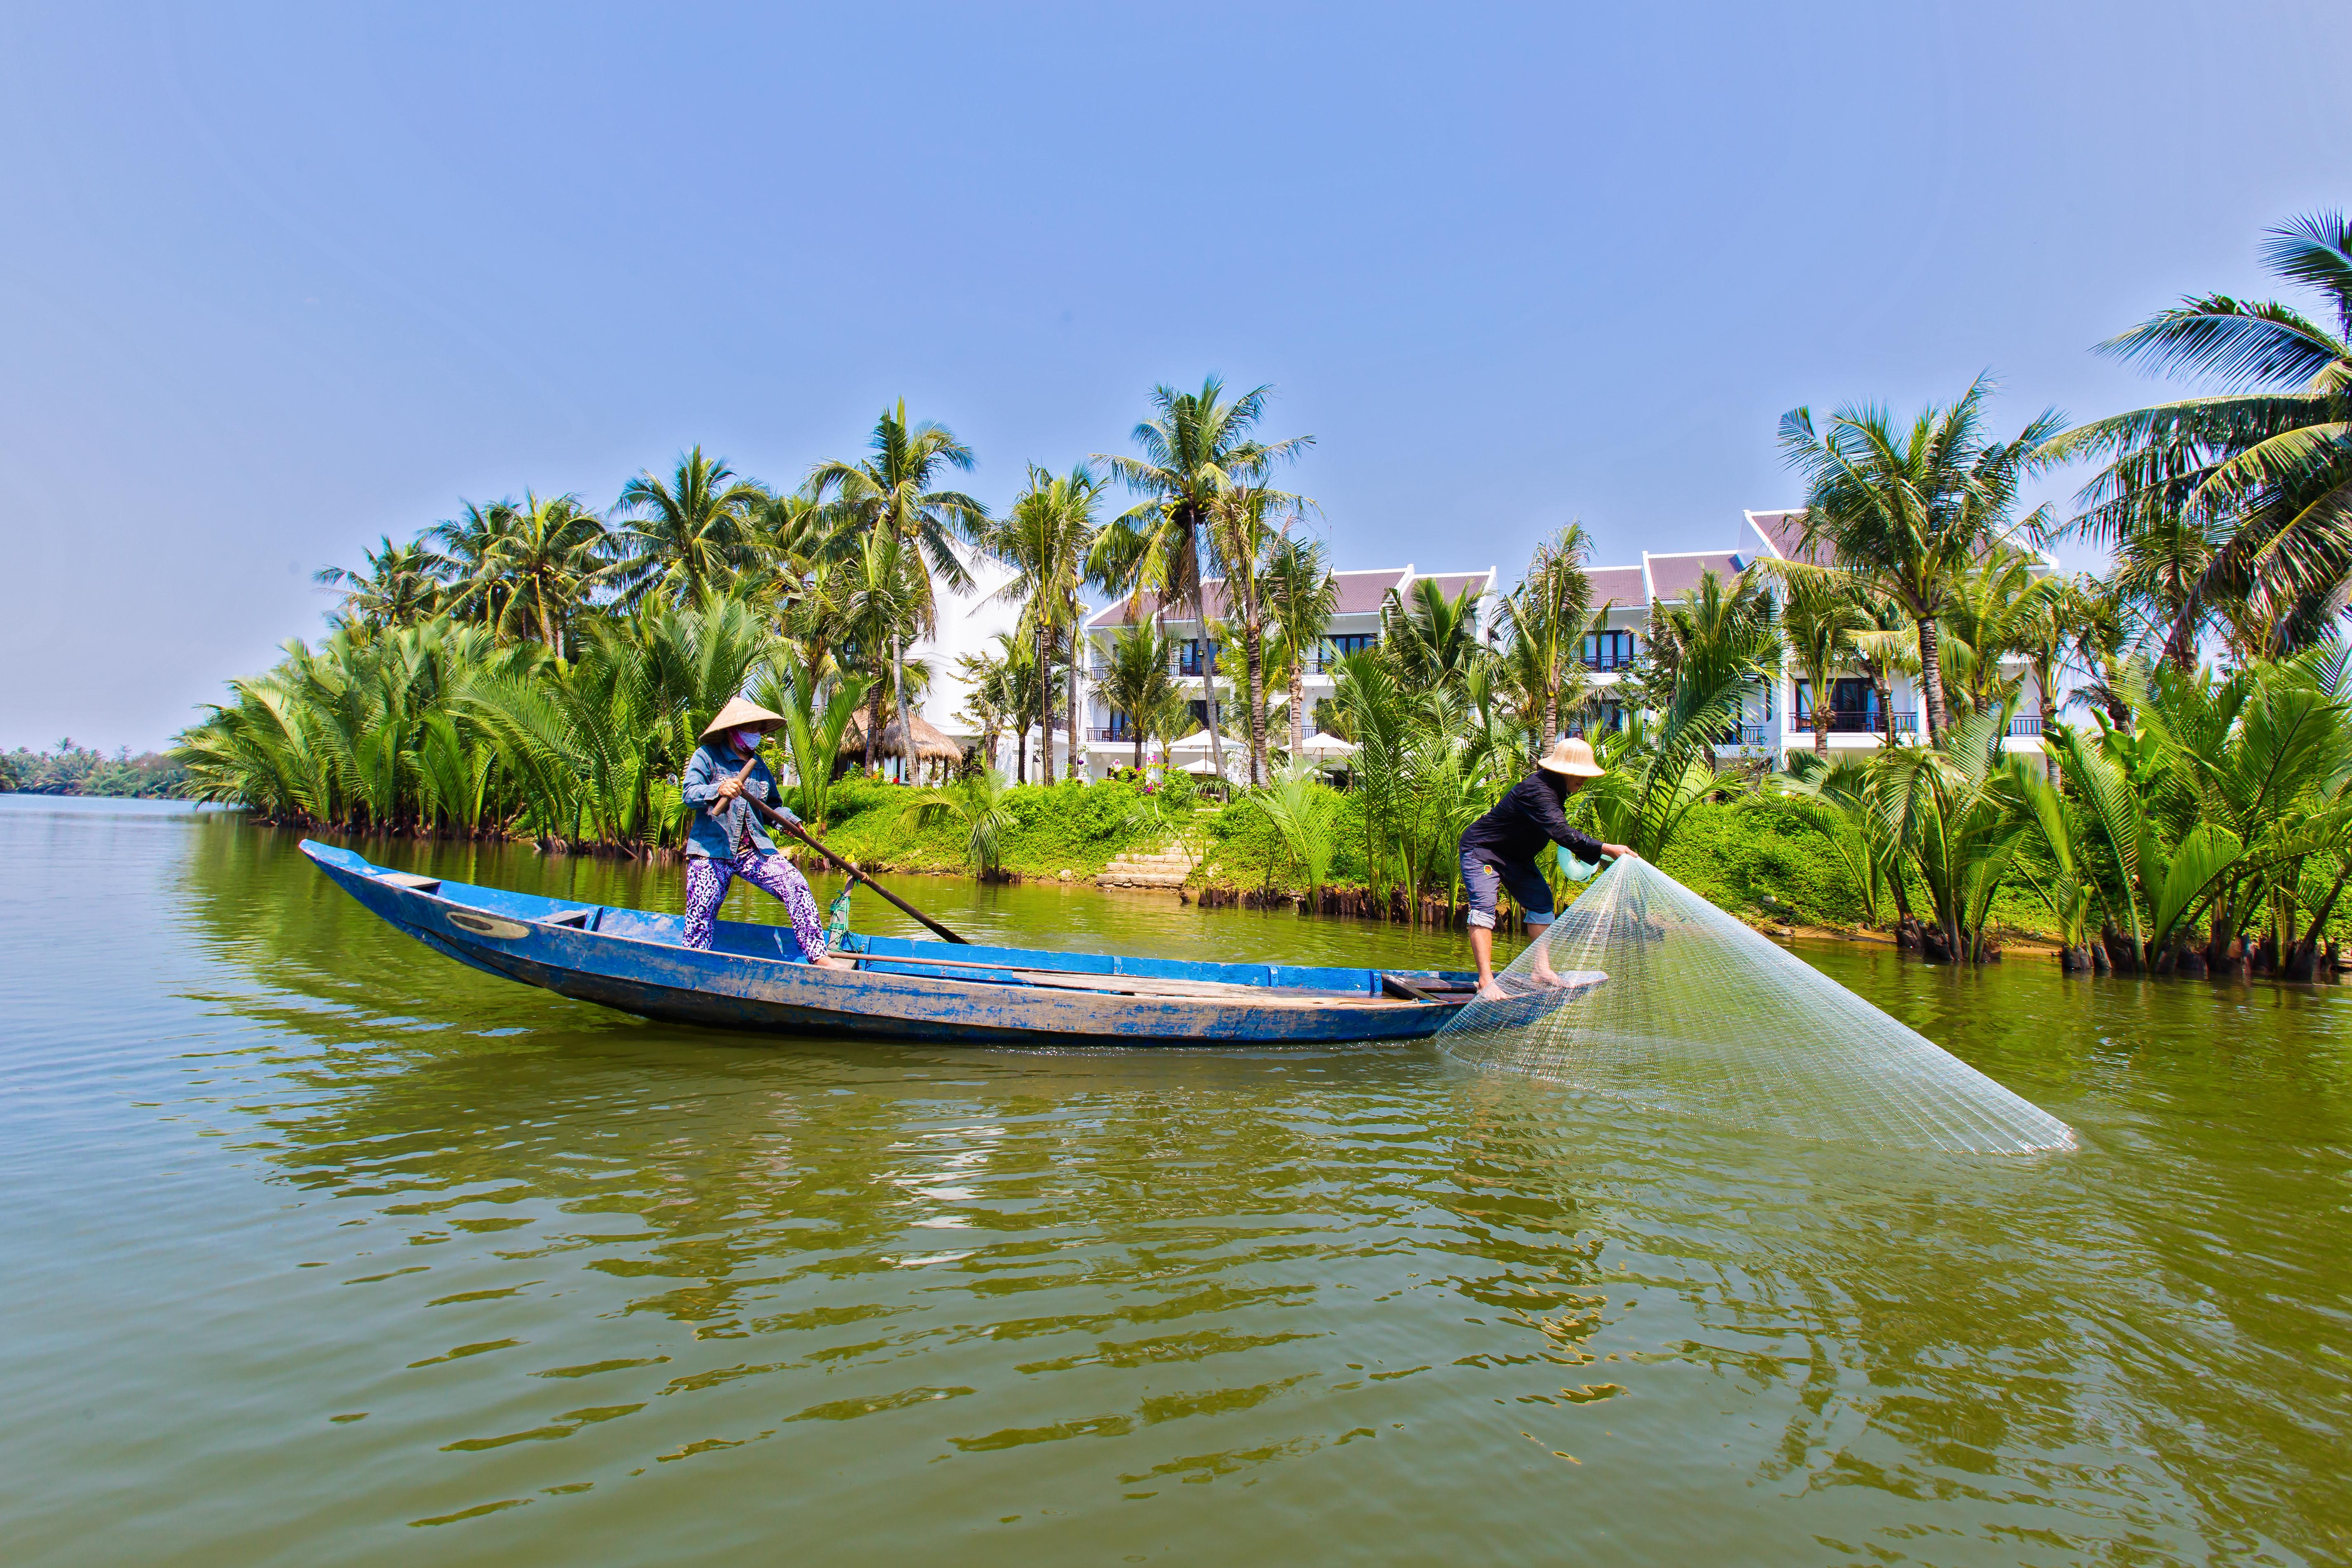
(1573,757)
(740,714)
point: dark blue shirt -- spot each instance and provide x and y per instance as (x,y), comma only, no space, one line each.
(1530,816)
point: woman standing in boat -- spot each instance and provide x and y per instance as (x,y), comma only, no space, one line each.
(1499,850)
(726,840)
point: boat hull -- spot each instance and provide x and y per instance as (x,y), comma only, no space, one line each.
(754,978)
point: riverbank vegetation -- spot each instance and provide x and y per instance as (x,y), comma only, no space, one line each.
(69,769)
(535,669)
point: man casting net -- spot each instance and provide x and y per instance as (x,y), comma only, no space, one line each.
(1657,997)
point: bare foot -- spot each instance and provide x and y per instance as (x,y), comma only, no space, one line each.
(1551,977)
(828,960)
(1491,992)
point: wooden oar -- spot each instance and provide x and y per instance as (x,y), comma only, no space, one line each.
(794,829)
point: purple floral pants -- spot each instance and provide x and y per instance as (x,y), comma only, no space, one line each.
(706,885)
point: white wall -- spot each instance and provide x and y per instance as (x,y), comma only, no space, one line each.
(967,624)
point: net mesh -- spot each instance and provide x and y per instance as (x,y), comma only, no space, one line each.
(1662,999)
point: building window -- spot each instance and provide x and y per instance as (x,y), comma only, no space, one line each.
(1188,658)
(1853,707)
(1608,650)
(1122,728)
(1336,649)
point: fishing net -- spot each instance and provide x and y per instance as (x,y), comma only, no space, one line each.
(1660,998)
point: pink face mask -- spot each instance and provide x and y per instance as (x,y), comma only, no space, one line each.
(745,740)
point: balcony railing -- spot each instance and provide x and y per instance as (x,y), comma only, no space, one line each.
(1861,721)
(2021,726)
(1845,721)
(1606,661)
(1744,735)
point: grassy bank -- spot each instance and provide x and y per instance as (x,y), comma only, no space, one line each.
(1749,857)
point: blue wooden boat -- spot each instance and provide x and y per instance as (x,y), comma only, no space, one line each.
(756,977)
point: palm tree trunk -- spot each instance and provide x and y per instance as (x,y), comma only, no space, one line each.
(1209,700)
(873,725)
(906,719)
(1297,699)
(1045,704)
(1550,736)
(1070,717)
(1820,726)
(1931,678)
(1254,651)
(2043,678)
(1199,595)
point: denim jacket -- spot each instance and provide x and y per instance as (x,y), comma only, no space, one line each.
(717,838)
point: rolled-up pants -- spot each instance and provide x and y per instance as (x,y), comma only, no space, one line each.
(1488,879)
(706,878)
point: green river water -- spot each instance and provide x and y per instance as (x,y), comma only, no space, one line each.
(322,1249)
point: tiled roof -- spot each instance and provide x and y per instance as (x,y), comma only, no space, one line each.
(1783,533)
(1621,585)
(1363,593)
(1360,593)
(1676,576)
(1452,585)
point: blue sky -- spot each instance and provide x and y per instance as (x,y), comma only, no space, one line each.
(282,279)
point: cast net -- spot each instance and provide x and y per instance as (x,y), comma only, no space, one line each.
(1665,1001)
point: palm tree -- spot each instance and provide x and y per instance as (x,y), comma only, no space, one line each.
(979,807)
(894,492)
(988,701)
(2046,634)
(690,535)
(1135,679)
(2265,465)
(1954,808)
(1914,509)
(1992,609)
(1240,538)
(400,587)
(1048,539)
(1550,614)
(552,559)
(1429,640)
(1302,595)
(1724,637)
(1818,620)
(885,598)
(792,540)
(469,552)
(2161,568)
(1887,645)
(1196,447)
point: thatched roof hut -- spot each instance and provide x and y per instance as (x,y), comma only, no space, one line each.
(930,745)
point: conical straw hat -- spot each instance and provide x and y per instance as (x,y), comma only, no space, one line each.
(740,714)
(1572,757)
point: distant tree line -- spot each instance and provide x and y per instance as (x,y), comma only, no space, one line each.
(69,769)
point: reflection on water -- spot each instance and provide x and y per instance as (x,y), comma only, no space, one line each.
(324,1249)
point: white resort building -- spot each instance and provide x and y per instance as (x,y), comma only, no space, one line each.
(1354,625)
(1778,720)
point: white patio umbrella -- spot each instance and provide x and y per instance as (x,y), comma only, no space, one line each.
(1198,741)
(1325,746)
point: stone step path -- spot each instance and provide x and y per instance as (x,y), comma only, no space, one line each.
(1154,868)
